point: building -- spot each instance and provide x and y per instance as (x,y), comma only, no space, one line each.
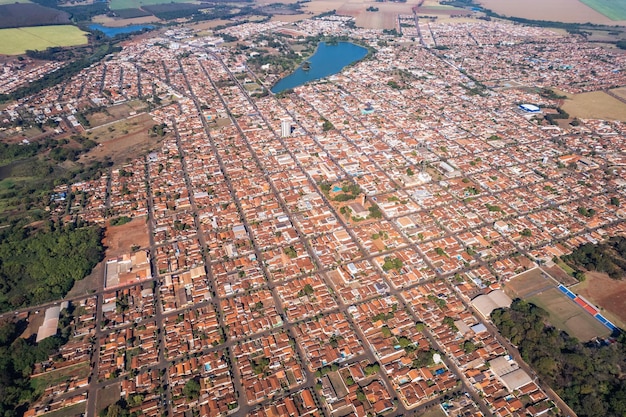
(285,128)
(530,108)
(486,303)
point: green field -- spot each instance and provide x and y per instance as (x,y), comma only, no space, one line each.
(17,41)
(569,316)
(613,9)
(136,4)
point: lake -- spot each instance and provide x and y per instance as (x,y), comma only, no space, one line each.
(328,59)
(111,32)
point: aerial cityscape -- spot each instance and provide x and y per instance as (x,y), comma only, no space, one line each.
(324,208)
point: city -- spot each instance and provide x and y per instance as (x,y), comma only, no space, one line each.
(324,251)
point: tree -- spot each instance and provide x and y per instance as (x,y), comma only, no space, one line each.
(191,390)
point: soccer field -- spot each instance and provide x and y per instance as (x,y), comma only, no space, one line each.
(16,41)
(614,9)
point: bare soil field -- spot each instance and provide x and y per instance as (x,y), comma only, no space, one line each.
(560,275)
(290,18)
(384,18)
(620,92)
(207,25)
(35,319)
(595,105)
(527,284)
(606,293)
(107,396)
(556,10)
(111,114)
(119,239)
(569,316)
(117,22)
(122,140)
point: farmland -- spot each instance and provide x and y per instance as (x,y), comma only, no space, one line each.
(614,10)
(18,15)
(17,40)
(556,10)
(568,316)
(136,4)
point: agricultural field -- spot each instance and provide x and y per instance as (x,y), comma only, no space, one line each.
(16,41)
(136,4)
(569,11)
(569,316)
(595,105)
(614,9)
(606,293)
(17,15)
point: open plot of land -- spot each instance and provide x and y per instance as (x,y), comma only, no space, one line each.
(595,105)
(78,371)
(569,316)
(434,412)
(107,396)
(17,41)
(111,114)
(71,411)
(136,4)
(122,140)
(613,9)
(119,239)
(527,284)
(555,10)
(384,18)
(620,92)
(561,275)
(606,293)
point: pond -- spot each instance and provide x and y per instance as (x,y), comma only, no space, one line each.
(328,59)
(111,32)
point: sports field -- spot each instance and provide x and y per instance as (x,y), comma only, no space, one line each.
(16,41)
(528,284)
(136,4)
(569,316)
(613,9)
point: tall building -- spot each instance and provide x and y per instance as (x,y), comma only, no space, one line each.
(285,128)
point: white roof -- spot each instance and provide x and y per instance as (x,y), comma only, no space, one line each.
(486,303)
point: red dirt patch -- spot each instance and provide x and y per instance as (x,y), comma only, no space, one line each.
(120,239)
(607,293)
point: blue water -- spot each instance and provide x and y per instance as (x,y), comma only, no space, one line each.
(327,60)
(111,32)
(336,188)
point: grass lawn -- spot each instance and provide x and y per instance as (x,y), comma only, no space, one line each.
(73,410)
(136,4)
(16,41)
(613,9)
(80,370)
